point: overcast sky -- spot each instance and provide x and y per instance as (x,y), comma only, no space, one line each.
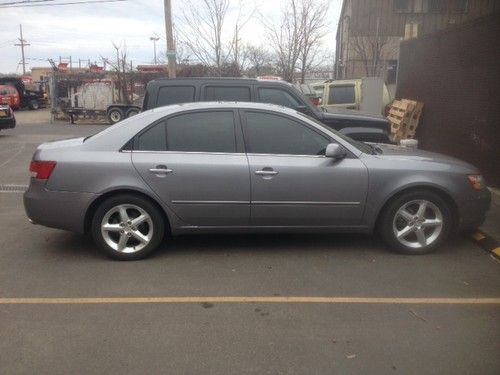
(87,31)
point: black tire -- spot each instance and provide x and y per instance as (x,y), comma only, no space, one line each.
(388,220)
(34,104)
(132,112)
(115,115)
(157,223)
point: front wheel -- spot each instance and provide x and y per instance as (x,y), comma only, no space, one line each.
(416,222)
(115,115)
(127,227)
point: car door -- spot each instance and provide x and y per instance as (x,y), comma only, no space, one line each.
(292,182)
(194,161)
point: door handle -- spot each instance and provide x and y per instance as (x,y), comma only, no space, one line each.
(160,169)
(265,172)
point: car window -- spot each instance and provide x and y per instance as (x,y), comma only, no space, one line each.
(174,95)
(341,94)
(202,132)
(273,134)
(227,93)
(153,139)
(277,96)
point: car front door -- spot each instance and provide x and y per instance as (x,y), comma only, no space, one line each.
(292,182)
(195,163)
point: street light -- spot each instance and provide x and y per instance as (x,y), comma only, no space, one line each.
(154,39)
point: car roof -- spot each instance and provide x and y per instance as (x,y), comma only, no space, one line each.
(199,80)
(221,104)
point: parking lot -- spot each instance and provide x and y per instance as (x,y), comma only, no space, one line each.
(260,304)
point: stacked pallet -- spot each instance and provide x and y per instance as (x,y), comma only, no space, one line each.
(404,115)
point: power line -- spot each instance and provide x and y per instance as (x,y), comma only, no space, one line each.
(31,5)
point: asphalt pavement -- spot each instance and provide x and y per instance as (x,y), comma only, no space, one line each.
(250,304)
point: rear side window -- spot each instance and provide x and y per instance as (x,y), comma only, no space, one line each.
(277,96)
(191,132)
(341,95)
(174,95)
(227,93)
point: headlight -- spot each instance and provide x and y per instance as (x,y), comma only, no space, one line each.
(476,181)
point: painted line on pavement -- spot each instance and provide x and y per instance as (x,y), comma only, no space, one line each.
(249,299)
(487,243)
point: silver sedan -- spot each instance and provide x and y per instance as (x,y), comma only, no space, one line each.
(246,167)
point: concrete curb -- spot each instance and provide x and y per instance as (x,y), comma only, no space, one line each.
(487,243)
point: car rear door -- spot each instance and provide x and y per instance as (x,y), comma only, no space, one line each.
(292,182)
(194,161)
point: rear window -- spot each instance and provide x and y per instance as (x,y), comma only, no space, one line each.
(175,95)
(227,93)
(341,95)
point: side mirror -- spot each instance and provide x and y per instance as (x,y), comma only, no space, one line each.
(335,151)
(303,109)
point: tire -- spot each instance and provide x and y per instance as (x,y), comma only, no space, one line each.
(34,104)
(123,239)
(418,233)
(132,112)
(115,115)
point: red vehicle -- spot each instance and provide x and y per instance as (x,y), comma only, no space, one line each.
(9,96)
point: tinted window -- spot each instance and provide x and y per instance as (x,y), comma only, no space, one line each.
(153,139)
(272,134)
(202,132)
(227,93)
(174,95)
(341,95)
(277,96)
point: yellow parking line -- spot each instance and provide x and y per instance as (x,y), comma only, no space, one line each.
(249,299)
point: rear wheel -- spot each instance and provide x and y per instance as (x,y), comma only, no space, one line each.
(127,227)
(416,222)
(34,104)
(132,112)
(115,115)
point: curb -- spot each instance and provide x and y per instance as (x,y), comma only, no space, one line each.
(487,243)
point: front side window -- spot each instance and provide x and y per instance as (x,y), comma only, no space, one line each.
(341,94)
(273,134)
(175,95)
(227,93)
(277,96)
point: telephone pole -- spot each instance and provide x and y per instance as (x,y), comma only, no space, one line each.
(170,39)
(22,43)
(154,39)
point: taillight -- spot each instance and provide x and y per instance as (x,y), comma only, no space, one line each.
(42,169)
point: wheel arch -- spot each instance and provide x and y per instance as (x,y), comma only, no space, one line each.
(443,193)
(96,202)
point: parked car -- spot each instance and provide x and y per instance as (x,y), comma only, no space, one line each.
(9,96)
(7,118)
(28,98)
(363,127)
(348,94)
(246,167)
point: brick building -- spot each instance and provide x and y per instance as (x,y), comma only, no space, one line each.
(369,31)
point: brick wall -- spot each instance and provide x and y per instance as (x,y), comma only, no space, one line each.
(456,73)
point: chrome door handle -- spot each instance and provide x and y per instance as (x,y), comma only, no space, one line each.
(160,170)
(266,173)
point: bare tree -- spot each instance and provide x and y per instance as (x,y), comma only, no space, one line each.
(202,30)
(259,60)
(370,50)
(297,37)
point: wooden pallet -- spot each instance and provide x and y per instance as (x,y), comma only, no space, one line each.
(404,115)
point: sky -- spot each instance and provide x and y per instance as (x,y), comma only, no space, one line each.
(89,31)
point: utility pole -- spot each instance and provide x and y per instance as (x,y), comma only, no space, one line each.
(170,39)
(22,43)
(154,39)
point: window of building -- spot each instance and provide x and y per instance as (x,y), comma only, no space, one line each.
(227,93)
(411,30)
(174,95)
(344,94)
(436,6)
(460,6)
(402,6)
(277,96)
(272,134)
(392,71)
